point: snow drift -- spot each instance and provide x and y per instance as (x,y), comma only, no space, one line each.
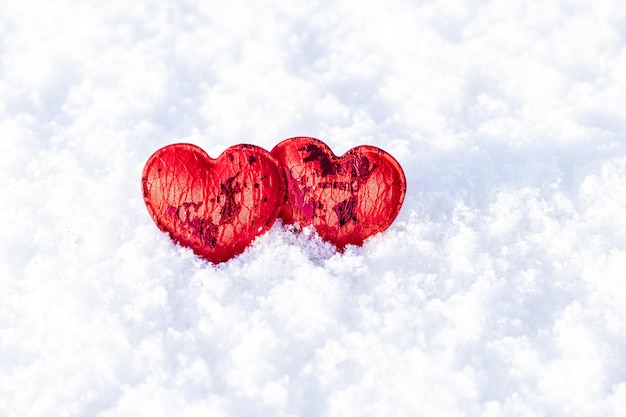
(498,291)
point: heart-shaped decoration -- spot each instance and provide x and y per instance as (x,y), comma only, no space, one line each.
(217,207)
(346,198)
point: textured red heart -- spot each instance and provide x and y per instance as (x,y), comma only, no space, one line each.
(214,206)
(346,198)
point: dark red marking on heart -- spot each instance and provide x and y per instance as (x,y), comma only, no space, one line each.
(217,207)
(346,198)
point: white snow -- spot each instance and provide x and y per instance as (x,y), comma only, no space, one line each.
(499,291)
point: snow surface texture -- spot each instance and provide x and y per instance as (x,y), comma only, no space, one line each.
(499,291)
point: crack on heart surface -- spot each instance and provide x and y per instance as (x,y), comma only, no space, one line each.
(345,211)
(199,228)
(317,154)
(231,208)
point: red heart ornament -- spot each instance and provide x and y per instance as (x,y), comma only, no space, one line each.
(217,207)
(346,198)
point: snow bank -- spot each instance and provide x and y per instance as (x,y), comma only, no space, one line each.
(499,290)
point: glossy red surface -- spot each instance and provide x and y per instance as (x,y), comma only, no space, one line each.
(217,207)
(346,198)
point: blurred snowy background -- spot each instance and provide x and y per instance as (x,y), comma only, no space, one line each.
(500,290)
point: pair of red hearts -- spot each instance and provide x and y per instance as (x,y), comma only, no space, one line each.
(217,207)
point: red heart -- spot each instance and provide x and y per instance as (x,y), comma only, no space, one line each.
(346,198)
(214,206)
